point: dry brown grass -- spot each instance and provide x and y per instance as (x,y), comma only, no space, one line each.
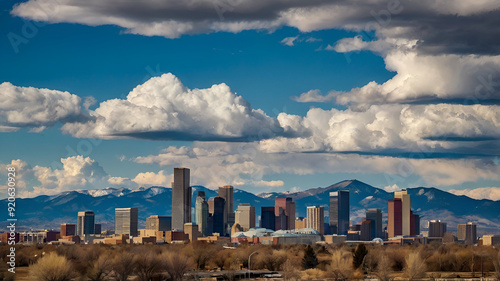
(51,268)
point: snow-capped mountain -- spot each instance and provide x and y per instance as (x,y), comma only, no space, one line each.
(431,203)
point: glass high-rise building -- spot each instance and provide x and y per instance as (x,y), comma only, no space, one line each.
(126,221)
(284,210)
(181,198)
(85,223)
(201,213)
(217,214)
(375,218)
(339,212)
(267,218)
(227,192)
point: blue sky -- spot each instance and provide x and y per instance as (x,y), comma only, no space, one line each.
(104,61)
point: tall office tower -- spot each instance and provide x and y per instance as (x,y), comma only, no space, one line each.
(267,218)
(217,213)
(126,221)
(68,229)
(281,219)
(467,233)
(226,192)
(159,223)
(375,218)
(416,220)
(288,207)
(97,228)
(181,199)
(316,218)
(291,216)
(201,212)
(339,212)
(437,228)
(366,230)
(394,225)
(406,210)
(85,223)
(245,216)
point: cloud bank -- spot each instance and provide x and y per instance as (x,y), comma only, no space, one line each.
(163,108)
(29,107)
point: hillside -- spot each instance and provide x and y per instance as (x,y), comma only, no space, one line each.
(431,203)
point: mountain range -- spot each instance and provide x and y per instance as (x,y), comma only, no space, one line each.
(48,212)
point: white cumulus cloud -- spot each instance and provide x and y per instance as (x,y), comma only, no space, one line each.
(163,108)
(29,107)
(148,179)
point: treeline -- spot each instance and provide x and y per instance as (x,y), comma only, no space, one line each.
(294,262)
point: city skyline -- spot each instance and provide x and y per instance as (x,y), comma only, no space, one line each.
(279,224)
(282,97)
(400,213)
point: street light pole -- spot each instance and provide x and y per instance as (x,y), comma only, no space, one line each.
(249,264)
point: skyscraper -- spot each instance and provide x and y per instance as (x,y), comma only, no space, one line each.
(245,216)
(394,226)
(416,224)
(405,211)
(267,218)
(467,233)
(227,192)
(85,223)
(285,218)
(316,218)
(437,228)
(159,223)
(97,228)
(181,198)
(201,212)
(365,232)
(217,214)
(375,218)
(126,221)
(339,212)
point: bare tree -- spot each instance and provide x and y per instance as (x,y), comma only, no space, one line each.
(271,260)
(290,271)
(219,259)
(496,263)
(341,265)
(147,265)
(415,266)
(51,268)
(176,265)
(123,265)
(100,269)
(384,268)
(201,253)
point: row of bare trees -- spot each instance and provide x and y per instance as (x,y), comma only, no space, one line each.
(100,264)
(295,262)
